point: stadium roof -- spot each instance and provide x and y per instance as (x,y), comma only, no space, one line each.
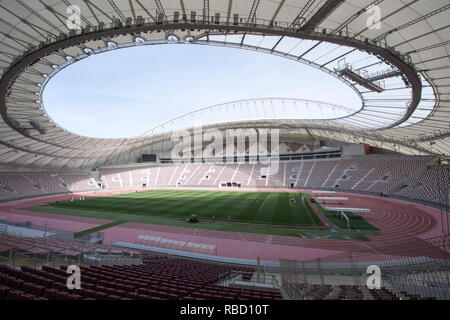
(394,54)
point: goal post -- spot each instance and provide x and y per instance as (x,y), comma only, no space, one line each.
(346,218)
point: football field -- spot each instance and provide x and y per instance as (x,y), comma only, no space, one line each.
(259,208)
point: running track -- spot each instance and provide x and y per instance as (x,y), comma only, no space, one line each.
(398,221)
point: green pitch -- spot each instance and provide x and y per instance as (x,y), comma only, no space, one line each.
(258,208)
(251,212)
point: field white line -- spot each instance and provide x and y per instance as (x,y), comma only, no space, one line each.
(306,209)
(262,204)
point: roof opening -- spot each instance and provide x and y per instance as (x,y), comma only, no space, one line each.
(122,93)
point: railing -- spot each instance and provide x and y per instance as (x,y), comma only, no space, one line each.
(280,26)
(251,279)
(45,231)
(109,260)
(177,244)
(417,267)
(92,237)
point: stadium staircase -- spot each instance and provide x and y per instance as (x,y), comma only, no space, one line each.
(96,175)
(329,175)
(362,179)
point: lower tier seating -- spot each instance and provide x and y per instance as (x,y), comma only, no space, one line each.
(158,278)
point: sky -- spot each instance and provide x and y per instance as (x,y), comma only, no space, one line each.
(125,92)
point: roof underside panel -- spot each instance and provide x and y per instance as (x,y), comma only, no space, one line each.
(418,28)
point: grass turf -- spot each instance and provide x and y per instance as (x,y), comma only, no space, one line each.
(356,223)
(96,229)
(268,208)
(262,212)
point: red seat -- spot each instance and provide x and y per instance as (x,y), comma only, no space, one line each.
(49,293)
(171,296)
(107,290)
(88,280)
(107,284)
(123,287)
(61,295)
(143,291)
(59,286)
(14,283)
(33,289)
(94,294)
(132,295)
(74,296)
(18,295)
(3,292)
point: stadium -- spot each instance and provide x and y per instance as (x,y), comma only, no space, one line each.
(259,198)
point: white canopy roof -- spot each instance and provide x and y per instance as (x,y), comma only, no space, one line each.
(394,54)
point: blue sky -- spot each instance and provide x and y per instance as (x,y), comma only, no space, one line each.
(123,93)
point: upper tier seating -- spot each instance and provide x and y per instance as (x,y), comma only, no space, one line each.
(22,185)
(430,185)
(79,182)
(370,174)
(362,174)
